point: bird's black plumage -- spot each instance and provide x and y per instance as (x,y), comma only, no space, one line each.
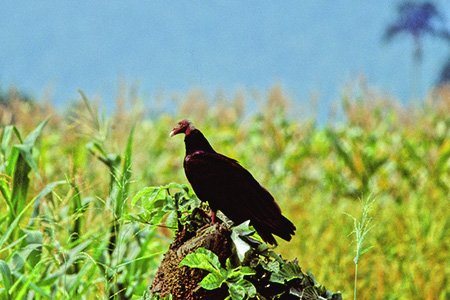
(230,188)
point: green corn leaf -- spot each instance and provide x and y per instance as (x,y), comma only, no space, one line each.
(13,244)
(14,223)
(11,162)
(26,147)
(45,191)
(5,138)
(125,179)
(80,278)
(71,257)
(20,185)
(6,275)
(30,252)
(341,151)
(27,282)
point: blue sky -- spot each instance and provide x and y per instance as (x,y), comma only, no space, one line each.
(172,46)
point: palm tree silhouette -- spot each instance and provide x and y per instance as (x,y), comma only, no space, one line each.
(444,76)
(418,19)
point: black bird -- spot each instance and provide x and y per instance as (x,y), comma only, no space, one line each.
(230,188)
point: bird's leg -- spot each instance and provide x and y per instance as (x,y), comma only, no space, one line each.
(213,216)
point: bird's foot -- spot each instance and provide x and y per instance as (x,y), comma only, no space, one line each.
(212,216)
(204,227)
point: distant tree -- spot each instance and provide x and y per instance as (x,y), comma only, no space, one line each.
(444,76)
(418,19)
(13,93)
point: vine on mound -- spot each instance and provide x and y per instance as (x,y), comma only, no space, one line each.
(215,262)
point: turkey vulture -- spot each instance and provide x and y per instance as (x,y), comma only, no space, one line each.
(230,188)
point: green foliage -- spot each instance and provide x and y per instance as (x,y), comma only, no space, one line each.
(362,228)
(45,251)
(399,154)
(156,296)
(238,287)
(17,163)
(262,275)
(158,203)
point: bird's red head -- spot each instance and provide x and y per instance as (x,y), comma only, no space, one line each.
(184,126)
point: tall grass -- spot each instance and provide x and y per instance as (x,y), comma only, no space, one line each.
(65,237)
(362,227)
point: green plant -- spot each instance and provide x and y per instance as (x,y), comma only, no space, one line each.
(361,229)
(238,287)
(158,202)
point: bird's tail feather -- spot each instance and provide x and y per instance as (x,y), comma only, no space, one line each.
(281,227)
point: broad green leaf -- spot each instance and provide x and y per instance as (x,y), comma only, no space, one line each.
(237,292)
(234,275)
(202,259)
(151,193)
(173,185)
(212,281)
(31,253)
(249,288)
(247,271)
(287,272)
(172,219)
(273,266)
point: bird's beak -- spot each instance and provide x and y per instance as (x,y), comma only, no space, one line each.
(174,131)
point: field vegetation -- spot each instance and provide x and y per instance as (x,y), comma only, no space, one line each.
(67,179)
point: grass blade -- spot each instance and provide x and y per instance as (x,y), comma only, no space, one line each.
(7,277)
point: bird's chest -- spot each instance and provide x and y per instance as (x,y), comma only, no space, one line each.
(197,170)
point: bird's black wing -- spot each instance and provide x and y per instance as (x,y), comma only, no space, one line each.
(229,187)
